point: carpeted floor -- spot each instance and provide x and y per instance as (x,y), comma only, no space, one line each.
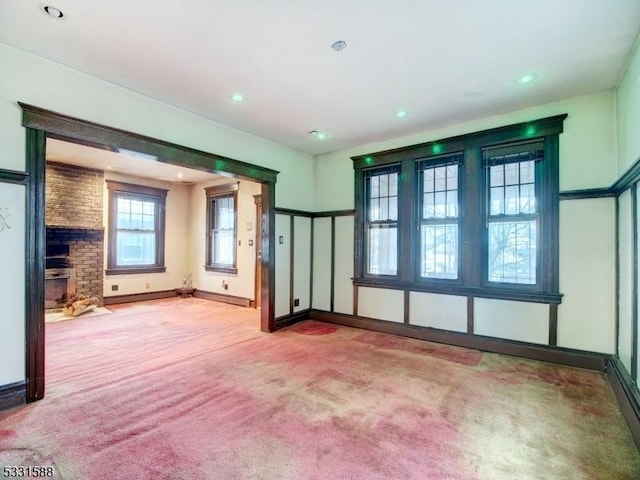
(190,389)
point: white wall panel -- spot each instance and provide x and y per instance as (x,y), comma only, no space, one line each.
(586,316)
(321,263)
(625,245)
(448,312)
(381,304)
(302,262)
(12,282)
(526,322)
(283,265)
(343,285)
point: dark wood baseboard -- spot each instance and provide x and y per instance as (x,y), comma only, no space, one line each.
(139,297)
(563,356)
(288,320)
(220,297)
(13,395)
(627,395)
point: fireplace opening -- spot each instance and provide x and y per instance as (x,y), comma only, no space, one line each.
(59,277)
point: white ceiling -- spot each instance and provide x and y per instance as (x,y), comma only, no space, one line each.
(108,161)
(442,61)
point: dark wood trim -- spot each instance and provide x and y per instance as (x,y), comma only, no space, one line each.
(470,314)
(136,189)
(334,213)
(634,284)
(222,297)
(553,324)
(355,299)
(603,192)
(221,269)
(461,290)
(549,236)
(268,282)
(631,176)
(292,212)
(12,176)
(627,395)
(35,243)
(563,356)
(223,189)
(333,264)
(292,243)
(617,272)
(288,320)
(139,297)
(509,133)
(13,395)
(76,130)
(311,247)
(134,270)
(407,306)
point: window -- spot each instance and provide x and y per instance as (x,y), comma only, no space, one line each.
(221,228)
(382,222)
(136,229)
(513,219)
(438,180)
(470,215)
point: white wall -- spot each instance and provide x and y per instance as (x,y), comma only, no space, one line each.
(343,258)
(283,265)
(587,275)
(381,304)
(628,113)
(587,160)
(36,81)
(176,240)
(242,283)
(12,255)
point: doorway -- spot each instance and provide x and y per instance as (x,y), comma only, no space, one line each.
(41,124)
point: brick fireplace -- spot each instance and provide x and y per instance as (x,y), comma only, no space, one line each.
(75,233)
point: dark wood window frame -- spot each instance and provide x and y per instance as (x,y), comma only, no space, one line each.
(473,240)
(158,197)
(215,193)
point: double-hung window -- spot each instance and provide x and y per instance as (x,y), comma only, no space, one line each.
(473,215)
(382,221)
(438,217)
(136,229)
(513,215)
(221,228)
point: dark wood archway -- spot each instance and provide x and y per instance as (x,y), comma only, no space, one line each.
(40,124)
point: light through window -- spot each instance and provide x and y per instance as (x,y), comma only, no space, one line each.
(382,222)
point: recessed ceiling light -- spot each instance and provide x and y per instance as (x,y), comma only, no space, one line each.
(180,175)
(528,78)
(52,11)
(401,113)
(318,135)
(109,167)
(237,97)
(339,45)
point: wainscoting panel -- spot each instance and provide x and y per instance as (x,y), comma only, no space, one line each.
(283,264)
(343,270)
(302,263)
(322,263)
(381,304)
(625,280)
(447,312)
(525,322)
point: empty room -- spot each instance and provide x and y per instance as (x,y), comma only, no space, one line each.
(284,240)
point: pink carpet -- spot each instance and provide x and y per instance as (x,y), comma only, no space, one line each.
(190,389)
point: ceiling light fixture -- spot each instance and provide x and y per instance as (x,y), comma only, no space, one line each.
(52,11)
(339,45)
(180,175)
(401,113)
(237,97)
(318,135)
(528,78)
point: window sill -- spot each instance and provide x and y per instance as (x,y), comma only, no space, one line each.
(213,268)
(134,270)
(500,293)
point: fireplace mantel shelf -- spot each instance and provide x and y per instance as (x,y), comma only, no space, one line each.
(75,227)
